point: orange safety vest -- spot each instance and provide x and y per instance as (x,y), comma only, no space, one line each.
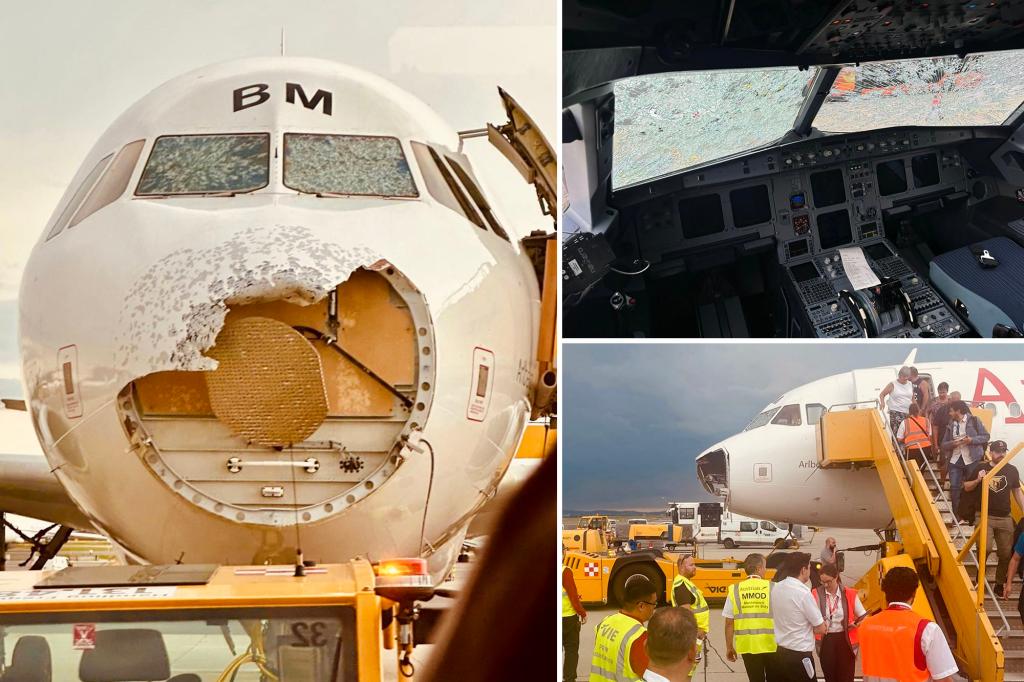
(890,646)
(848,611)
(915,434)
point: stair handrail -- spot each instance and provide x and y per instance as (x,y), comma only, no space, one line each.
(983,585)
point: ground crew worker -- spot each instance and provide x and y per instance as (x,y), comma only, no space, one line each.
(898,644)
(796,620)
(841,608)
(749,630)
(619,651)
(916,435)
(685,593)
(573,615)
(671,645)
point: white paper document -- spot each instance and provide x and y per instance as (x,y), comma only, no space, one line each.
(857,270)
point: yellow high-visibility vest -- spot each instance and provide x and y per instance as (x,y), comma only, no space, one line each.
(700,609)
(699,606)
(753,627)
(615,637)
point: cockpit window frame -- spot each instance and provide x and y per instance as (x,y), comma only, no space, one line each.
(770,412)
(214,193)
(119,171)
(793,410)
(80,195)
(341,195)
(465,206)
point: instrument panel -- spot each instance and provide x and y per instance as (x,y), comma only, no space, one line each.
(808,200)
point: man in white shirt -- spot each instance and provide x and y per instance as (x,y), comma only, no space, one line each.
(797,619)
(671,645)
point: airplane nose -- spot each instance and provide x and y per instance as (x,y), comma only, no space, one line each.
(713,471)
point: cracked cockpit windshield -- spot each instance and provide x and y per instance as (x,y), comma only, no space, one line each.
(667,123)
(979,89)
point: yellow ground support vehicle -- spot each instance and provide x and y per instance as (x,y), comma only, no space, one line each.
(601,578)
(185,623)
(591,533)
(661,532)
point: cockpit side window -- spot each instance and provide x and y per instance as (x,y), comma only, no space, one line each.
(206,164)
(468,181)
(79,196)
(347,165)
(762,419)
(814,412)
(113,183)
(442,185)
(789,415)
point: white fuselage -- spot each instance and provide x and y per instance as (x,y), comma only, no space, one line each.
(771,470)
(143,285)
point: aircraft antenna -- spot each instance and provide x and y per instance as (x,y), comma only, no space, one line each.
(282,41)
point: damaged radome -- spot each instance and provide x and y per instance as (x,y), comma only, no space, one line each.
(326,382)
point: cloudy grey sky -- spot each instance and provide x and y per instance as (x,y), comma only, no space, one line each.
(70,68)
(634,417)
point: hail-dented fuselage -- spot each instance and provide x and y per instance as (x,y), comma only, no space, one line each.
(122,310)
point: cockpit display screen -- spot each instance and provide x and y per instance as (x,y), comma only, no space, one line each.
(877,251)
(701,215)
(926,170)
(804,272)
(828,187)
(834,229)
(892,177)
(750,206)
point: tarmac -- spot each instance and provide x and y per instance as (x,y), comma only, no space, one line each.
(717,669)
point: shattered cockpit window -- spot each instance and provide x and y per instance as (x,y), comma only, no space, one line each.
(347,165)
(666,123)
(979,89)
(206,164)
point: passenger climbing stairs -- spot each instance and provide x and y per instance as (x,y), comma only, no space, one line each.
(985,633)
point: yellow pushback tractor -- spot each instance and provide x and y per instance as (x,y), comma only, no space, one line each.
(601,572)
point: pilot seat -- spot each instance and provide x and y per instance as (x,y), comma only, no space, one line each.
(988,278)
(129,655)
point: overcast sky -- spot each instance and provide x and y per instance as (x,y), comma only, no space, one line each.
(71,67)
(634,417)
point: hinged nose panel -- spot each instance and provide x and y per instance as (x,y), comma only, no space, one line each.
(310,406)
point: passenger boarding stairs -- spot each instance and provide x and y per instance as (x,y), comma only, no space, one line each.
(986,634)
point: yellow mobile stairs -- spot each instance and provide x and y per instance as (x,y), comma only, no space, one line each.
(985,634)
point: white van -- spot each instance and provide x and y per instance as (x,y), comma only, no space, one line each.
(711,522)
(737,530)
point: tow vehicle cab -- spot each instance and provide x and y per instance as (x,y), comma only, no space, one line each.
(181,621)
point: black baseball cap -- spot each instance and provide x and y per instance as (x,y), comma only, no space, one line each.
(997,445)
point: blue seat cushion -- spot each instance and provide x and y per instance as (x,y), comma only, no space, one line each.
(992,295)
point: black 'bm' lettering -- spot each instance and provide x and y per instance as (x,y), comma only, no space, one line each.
(259,91)
(291,89)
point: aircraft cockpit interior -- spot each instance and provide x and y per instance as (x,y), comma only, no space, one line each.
(860,174)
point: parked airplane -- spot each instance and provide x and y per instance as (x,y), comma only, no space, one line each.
(275,310)
(771,467)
